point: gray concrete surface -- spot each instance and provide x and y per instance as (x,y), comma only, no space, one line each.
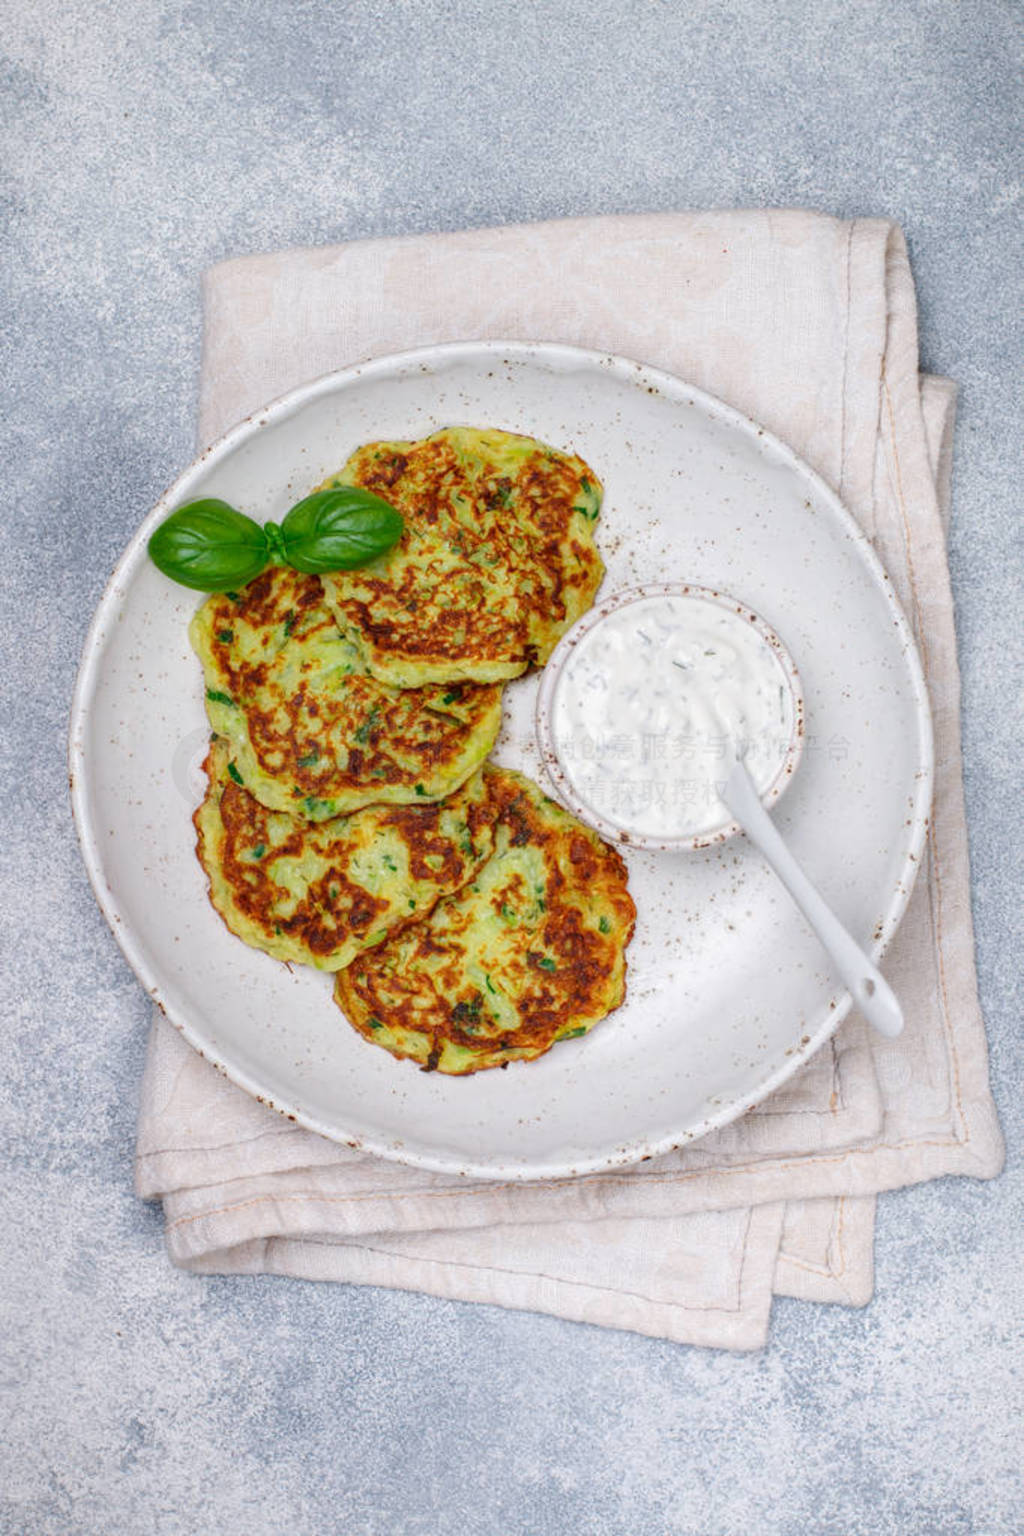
(143,141)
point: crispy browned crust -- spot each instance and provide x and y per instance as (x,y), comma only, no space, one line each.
(514,556)
(329,741)
(246,849)
(538,938)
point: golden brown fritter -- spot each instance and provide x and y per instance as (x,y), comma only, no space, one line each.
(496,562)
(319,893)
(311,732)
(531,951)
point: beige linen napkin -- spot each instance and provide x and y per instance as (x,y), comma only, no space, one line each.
(808,325)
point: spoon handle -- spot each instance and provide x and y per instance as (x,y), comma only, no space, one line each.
(871,992)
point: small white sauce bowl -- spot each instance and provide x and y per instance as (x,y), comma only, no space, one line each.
(553,674)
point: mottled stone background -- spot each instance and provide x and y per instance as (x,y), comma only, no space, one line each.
(143,141)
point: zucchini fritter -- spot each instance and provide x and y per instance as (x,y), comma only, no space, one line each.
(311,732)
(319,893)
(530,952)
(496,562)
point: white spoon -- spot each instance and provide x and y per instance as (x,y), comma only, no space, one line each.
(871,992)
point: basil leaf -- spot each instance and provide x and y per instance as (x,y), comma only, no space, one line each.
(209,546)
(339,529)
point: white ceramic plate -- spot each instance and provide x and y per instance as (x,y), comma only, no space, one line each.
(728,990)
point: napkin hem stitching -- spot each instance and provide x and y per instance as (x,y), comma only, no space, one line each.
(586,1285)
(935,902)
(828,1270)
(847,264)
(462,1190)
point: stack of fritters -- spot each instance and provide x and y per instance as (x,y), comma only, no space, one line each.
(530,951)
(346,814)
(311,731)
(320,892)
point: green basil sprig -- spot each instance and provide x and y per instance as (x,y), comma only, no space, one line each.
(209,546)
(338,530)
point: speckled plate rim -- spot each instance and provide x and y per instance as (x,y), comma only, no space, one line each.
(553,672)
(288,404)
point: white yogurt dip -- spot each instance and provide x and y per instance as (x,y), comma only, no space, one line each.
(654,699)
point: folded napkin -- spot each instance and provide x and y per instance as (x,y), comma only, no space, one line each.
(808,325)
